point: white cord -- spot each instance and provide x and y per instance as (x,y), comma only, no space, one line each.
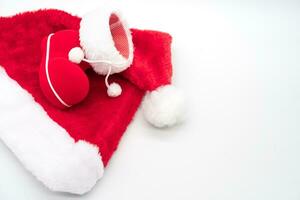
(47,72)
(105,62)
(106,77)
(97,61)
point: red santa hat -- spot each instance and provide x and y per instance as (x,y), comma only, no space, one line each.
(68,149)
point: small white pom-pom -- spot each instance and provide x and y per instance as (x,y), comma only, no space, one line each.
(114,90)
(76,55)
(164,107)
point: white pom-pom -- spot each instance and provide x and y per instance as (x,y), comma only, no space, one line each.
(76,55)
(163,107)
(114,90)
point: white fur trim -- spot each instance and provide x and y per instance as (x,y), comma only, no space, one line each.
(164,106)
(43,147)
(98,44)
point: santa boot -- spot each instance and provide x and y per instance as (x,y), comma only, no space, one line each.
(107,47)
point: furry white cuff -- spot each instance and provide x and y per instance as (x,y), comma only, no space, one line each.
(105,36)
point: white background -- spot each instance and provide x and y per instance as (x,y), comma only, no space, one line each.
(239,65)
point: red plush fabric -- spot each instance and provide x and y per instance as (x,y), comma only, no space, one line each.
(152,59)
(68,79)
(99,119)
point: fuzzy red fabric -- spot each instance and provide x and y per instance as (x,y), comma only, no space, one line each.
(152,60)
(67,78)
(99,119)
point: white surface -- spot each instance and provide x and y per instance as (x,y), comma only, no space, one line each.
(241,139)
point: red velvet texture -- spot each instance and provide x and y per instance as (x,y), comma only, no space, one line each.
(99,119)
(67,78)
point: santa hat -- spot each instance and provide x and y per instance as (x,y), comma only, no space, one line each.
(68,149)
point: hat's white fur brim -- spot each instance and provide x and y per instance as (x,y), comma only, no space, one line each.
(45,148)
